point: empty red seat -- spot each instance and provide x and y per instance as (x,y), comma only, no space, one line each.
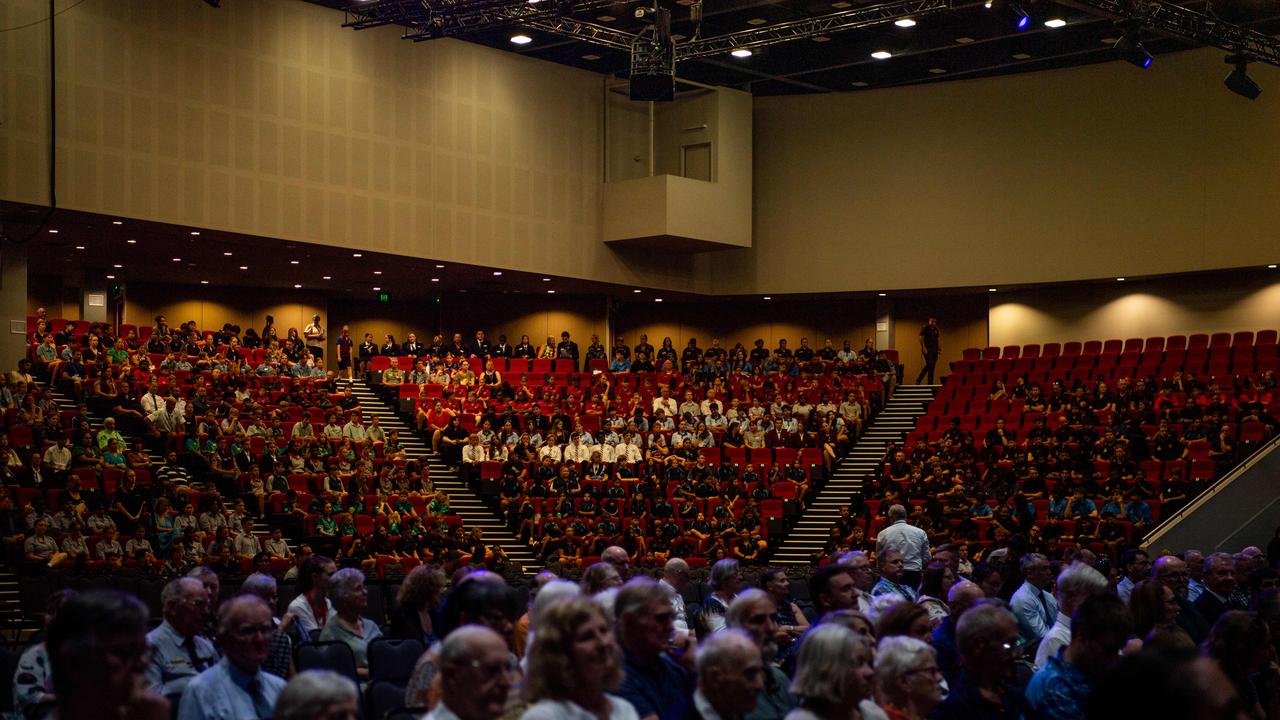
(1072,348)
(1133,345)
(1267,337)
(1220,339)
(1155,343)
(1112,346)
(1243,337)
(1092,347)
(1031,351)
(1052,349)
(1198,340)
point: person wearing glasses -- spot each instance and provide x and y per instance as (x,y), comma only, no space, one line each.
(236,687)
(990,647)
(909,677)
(179,651)
(475,675)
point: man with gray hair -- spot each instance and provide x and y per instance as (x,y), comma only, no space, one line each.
(178,651)
(962,596)
(619,559)
(236,688)
(753,612)
(280,661)
(730,676)
(1032,603)
(1076,583)
(675,578)
(987,636)
(1171,572)
(864,578)
(475,675)
(909,540)
(1219,582)
(1195,569)
(655,682)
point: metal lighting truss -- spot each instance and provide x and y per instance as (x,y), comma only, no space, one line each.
(426,19)
(1177,21)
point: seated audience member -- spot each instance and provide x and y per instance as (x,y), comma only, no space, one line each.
(1032,603)
(725,581)
(280,660)
(574,665)
(908,674)
(475,675)
(892,576)
(655,683)
(730,676)
(315,694)
(754,611)
(179,651)
(1099,629)
(1219,585)
(237,687)
(350,598)
(1171,571)
(32,681)
(312,608)
(1076,583)
(416,605)
(988,640)
(95,631)
(963,595)
(1240,645)
(834,677)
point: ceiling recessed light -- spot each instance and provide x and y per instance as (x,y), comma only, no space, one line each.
(111,277)
(657,299)
(131,241)
(117,222)
(293,262)
(591,56)
(1055,23)
(637,291)
(741,53)
(204,282)
(177,259)
(376,289)
(1272,266)
(195,232)
(244,267)
(497,273)
(438,267)
(357,254)
(53,232)
(937,71)
(860,83)
(991,289)
(821,38)
(327,277)
(296,285)
(377,272)
(1021,56)
(606,18)
(883,294)
(1119,279)
(904,22)
(79,247)
(767,297)
(546,279)
(964,40)
(117,265)
(435,279)
(521,39)
(551,292)
(757,21)
(226,254)
(882,55)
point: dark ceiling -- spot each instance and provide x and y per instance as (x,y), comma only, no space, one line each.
(970,41)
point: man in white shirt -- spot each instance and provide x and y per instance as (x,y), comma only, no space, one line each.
(475,675)
(1032,603)
(575,451)
(627,451)
(907,539)
(665,403)
(1076,583)
(690,406)
(57,458)
(675,576)
(354,429)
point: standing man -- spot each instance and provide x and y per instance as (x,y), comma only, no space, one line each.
(909,540)
(236,687)
(313,334)
(930,346)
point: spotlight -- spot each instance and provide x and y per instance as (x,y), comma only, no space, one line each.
(1239,81)
(1130,48)
(1021,19)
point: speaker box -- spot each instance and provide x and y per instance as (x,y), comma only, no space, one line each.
(655,88)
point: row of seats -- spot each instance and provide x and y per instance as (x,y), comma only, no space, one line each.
(1098,347)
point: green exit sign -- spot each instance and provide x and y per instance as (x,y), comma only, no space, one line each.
(384,297)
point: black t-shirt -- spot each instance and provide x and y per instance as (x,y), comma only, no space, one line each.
(929,334)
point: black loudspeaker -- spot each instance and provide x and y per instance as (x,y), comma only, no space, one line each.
(655,88)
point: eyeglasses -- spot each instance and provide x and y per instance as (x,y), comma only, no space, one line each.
(933,670)
(1015,645)
(249,631)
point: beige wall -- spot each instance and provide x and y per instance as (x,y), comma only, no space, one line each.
(1217,302)
(212,306)
(961,318)
(1090,172)
(535,316)
(269,118)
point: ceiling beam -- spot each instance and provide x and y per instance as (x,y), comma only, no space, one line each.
(1179,22)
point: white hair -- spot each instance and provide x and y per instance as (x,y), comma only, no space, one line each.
(311,692)
(724,647)
(1078,581)
(742,605)
(896,656)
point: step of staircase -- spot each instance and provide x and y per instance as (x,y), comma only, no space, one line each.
(17,628)
(474,510)
(892,424)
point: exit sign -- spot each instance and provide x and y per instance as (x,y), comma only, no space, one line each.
(384,297)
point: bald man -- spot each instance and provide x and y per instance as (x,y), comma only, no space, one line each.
(475,675)
(963,595)
(619,559)
(675,578)
(730,676)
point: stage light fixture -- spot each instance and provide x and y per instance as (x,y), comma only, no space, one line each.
(1021,18)
(1130,48)
(1239,81)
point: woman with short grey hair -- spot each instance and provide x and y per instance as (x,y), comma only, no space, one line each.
(907,670)
(725,582)
(346,589)
(315,694)
(834,676)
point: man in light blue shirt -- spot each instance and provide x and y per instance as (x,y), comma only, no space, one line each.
(178,651)
(236,688)
(1032,603)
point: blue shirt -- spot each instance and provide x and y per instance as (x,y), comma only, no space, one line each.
(661,688)
(221,693)
(1036,611)
(171,667)
(1058,691)
(889,587)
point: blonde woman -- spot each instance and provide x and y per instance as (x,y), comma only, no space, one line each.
(574,663)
